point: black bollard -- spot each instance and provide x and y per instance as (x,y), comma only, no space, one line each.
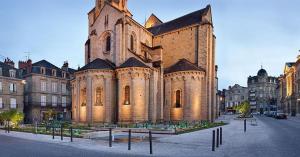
(245,129)
(52,132)
(221,135)
(61,132)
(71,132)
(110,137)
(213,140)
(129,139)
(150,140)
(218,137)
(8,127)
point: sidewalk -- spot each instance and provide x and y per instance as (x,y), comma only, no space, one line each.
(191,144)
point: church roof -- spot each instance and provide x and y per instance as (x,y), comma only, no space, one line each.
(262,72)
(98,64)
(5,70)
(183,65)
(133,62)
(184,21)
(290,64)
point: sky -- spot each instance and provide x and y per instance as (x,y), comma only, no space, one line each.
(250,33)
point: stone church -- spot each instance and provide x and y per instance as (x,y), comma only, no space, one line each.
(160,71)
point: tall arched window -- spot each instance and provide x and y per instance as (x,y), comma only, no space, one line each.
(83,97)
(98,97)
(108,44)
(127,95)
(178,99)
(132,43)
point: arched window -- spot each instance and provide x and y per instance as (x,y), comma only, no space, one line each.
(132,43)
(98,97)
(83,97)
(127,95)
(108,44)
(178,99)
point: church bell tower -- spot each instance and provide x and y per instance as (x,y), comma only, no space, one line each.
(119,4)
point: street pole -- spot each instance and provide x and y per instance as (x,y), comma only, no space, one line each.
(61,132)
(53,132)
(221,135)
(129,139)
(245,127)
(110,137)
(71,130)
(213,140)
(218,133)
(150,140)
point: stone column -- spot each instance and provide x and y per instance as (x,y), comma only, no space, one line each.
(119,42)
(108,104)
(168,99)
(132,93)
(78,101)
(120,87)
(89,100)
(147,105)
(186,97)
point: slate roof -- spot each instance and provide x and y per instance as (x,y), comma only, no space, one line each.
(290,64)
(36,69)
(98,64)
(262,72)
(5,70)
(46,64)
(133,62)
(181,22)
(183,65)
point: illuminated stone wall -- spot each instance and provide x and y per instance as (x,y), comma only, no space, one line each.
(92,112)
(138,79)
(190,83)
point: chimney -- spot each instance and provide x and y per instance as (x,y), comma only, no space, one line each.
(9,62)
(26,65)
(65,66)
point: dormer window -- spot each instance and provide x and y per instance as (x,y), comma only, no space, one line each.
(43,70)
(54,72)
(64,75)
(12,73)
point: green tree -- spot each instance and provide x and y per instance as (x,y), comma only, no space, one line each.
(243,108)
(13,116)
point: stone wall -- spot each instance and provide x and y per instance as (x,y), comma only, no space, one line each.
(190,84)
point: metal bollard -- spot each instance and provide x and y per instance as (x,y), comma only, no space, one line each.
(129,139)
(52,132)
(213,140)
(150,141)
(218,137)
(221,136)
(61,132)
(110,137)
(71,132)
(245,125)
(8,127)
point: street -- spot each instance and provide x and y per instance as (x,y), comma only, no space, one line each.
(15,147)
(270,138)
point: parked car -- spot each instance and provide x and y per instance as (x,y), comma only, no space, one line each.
(280,115)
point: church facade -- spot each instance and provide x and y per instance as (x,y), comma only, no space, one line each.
(153,72)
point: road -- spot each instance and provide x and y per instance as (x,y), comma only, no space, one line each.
(284,136)
(270,138)
(14,147)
